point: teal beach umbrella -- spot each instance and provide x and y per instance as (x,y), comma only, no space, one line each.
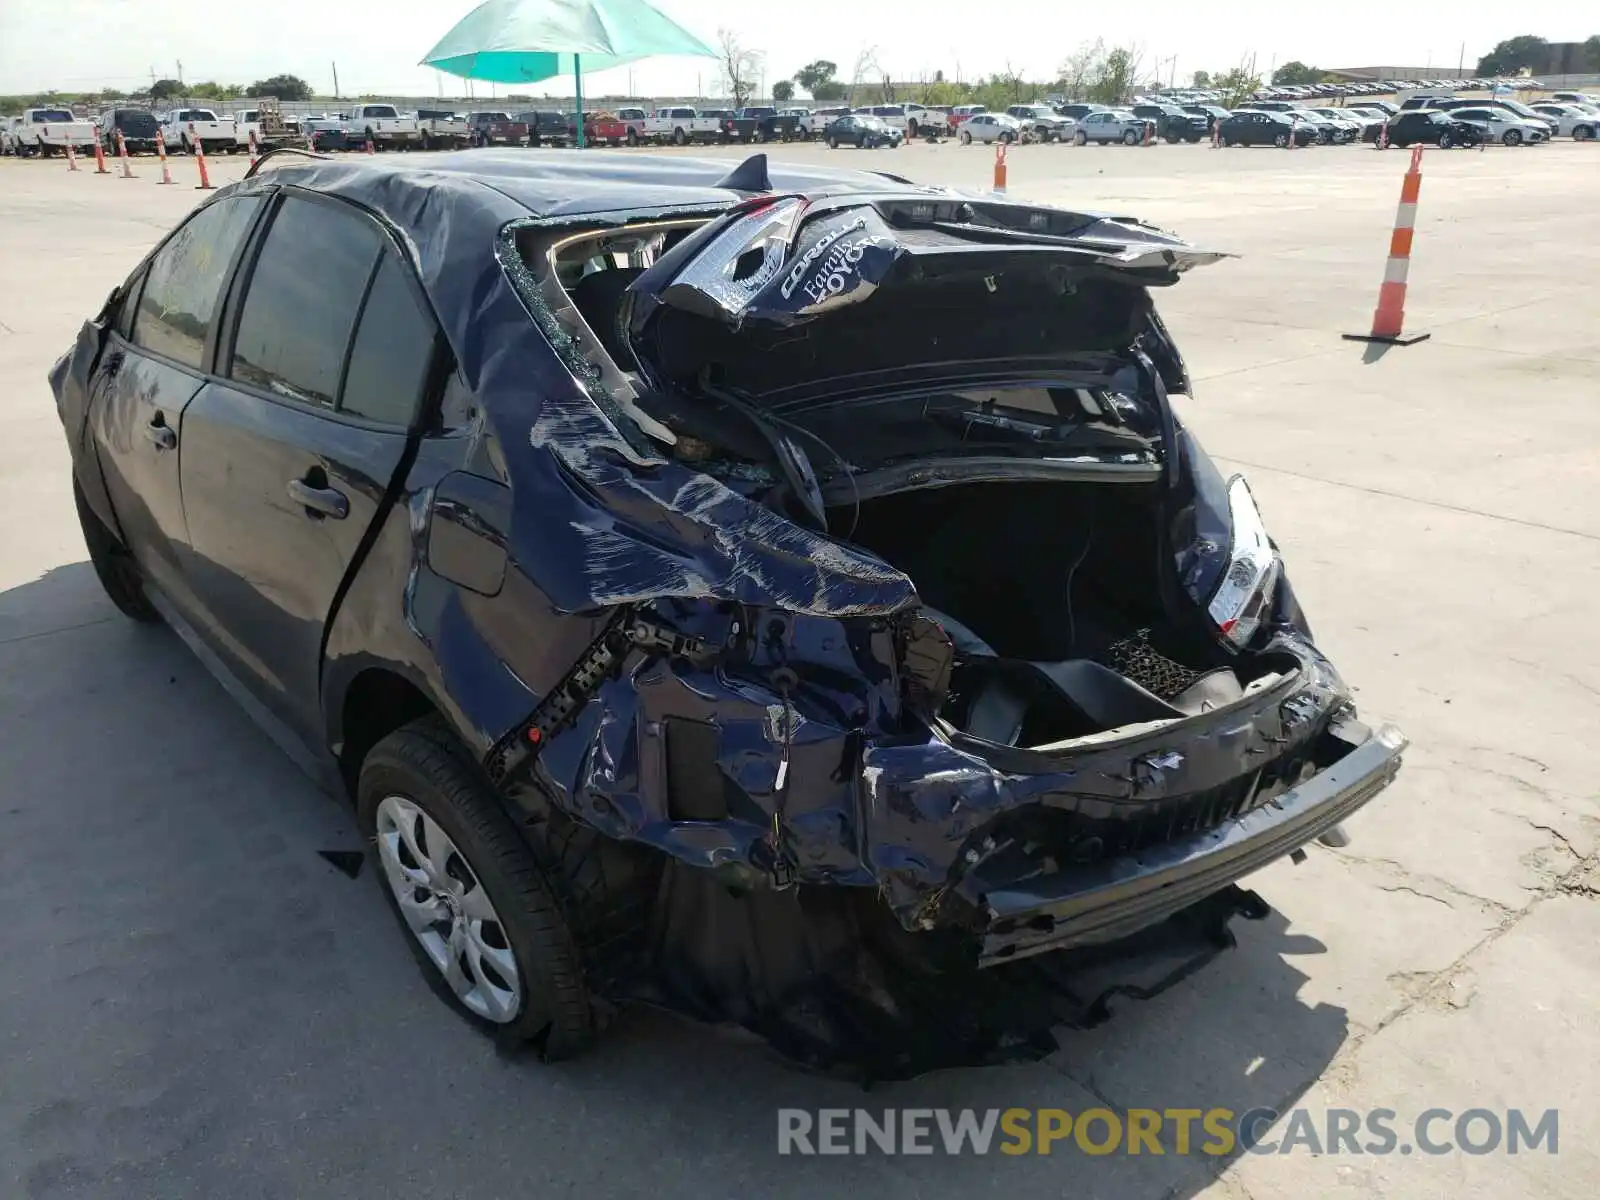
(528,41)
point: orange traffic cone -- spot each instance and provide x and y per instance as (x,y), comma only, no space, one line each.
(1000,168)
(253,155)
(122,153)
(72,159)
(1389,319)
(99,158)
(200,160)
(370,148)
(161,151)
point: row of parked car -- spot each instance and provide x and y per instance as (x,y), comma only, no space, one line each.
(1335,91)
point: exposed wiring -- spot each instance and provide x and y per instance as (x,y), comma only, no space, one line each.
(1088,541)
(855,491)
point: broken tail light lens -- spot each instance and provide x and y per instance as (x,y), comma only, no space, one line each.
(1244,594)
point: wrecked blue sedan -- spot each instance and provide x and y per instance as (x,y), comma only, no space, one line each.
(788,596)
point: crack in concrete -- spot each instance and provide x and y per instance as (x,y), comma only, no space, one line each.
(44,633)
(1405,873)
(1402,887)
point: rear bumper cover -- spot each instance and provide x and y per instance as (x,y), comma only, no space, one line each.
(1087,905)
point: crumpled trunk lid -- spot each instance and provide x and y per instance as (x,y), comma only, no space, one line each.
(926,278)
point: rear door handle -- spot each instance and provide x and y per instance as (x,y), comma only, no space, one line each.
(319,501)
(160,433)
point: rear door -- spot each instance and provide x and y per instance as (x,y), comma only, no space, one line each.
(291,455)
(153,365)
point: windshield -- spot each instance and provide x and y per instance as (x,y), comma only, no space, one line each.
(1516,106)
(44,115)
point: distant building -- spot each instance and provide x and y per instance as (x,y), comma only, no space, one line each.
(1378,74)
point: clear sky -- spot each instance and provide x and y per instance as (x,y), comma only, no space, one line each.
(74,45)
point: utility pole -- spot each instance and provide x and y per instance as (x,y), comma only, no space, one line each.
(335,81)
(1461,62)
(180,70)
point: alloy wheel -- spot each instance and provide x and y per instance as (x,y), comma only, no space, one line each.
(448,911)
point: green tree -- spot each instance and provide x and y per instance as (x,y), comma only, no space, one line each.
(818,74)
(1236,86)
(1113,81)
(165,89)
(1591,50)
(783,91)
(284,87)
(112,94)
(1293,72)
(1081,68)
(1515,54)
(1202,79)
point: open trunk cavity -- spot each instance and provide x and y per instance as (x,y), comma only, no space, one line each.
(1052,594)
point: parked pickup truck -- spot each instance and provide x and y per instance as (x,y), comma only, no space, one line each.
(383,126)
(496,129)
(441,129)
(546,127)
(271,127)
(604,129)
(771,125)
(185,128)
(137,126)
(679,126)
(47,131)
(732,128)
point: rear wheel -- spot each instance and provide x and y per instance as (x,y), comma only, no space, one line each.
(114,565)
(633,137)
(481,915)
(679,137)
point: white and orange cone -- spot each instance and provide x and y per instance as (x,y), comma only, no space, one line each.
(1000,168)
(205,184)
(161,153)
(122,153)
(1388,321)
(72,159)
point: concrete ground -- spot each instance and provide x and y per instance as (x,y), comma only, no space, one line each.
(198,1005)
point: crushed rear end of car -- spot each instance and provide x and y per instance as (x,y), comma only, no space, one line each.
(934,657)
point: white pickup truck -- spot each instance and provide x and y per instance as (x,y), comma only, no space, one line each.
(47,131)
(383,125)
(678,126)
(185,128)
(271,128)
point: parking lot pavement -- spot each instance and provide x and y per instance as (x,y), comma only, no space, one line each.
(198,1005)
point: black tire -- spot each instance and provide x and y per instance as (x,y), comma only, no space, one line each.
(1006,139)
(1512,137)
(679,137)
(114,566)
(833,143)
(1172,139)
(1582,133)
(1445,140)
(424,763)
(1280,140)
(1080,138)
(1130,138)
(633,137)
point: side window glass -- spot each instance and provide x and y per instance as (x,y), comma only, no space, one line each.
(393,350)
(298,313)
(185,280)
(129,306)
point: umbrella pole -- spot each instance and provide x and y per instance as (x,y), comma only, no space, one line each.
(577,87)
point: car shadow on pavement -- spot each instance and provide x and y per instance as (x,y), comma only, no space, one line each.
(206,992)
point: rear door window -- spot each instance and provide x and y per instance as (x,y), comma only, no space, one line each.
(393,350)
(185,280)
(303,297)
